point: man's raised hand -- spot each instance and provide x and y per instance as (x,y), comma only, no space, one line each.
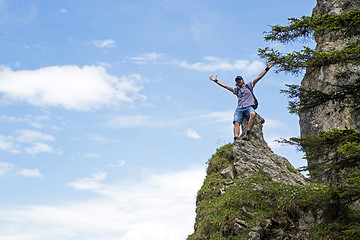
(269,64)
(212,78)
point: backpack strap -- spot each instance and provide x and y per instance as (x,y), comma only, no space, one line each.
(247,86)
(255,100)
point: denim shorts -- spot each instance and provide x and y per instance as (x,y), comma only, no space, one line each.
(241,112)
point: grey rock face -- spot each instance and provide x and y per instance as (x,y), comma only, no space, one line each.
(330,114)
(335,6)
(228,172)
(255,155)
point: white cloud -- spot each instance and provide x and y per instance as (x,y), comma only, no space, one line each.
(31,136)
(89,183)
(39,148)
(34,121)
(157,207)
(146,58)
(108,43)
(5,168)
(273,123)
(99,140)
(216,64)
(62,10)
(71,87)
(30,173)
(128,121)
(28,141)
(191,133)
(224,116)
(120,163)
(7,144)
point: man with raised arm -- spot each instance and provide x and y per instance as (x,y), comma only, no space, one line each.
(246,101)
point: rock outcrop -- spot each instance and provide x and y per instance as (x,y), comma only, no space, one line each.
(255,155)
(240,192)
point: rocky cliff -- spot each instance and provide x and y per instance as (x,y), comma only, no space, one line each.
(331,114)
(253,156)
(248,194)
(251,193)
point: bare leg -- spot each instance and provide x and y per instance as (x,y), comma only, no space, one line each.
(251,121)
(236,129)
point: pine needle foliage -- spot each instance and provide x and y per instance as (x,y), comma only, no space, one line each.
(303,99)
(305,28)
(342,147)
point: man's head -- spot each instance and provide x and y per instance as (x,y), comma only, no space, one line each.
(239,81)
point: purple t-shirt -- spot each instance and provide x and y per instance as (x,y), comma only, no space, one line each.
(244,95)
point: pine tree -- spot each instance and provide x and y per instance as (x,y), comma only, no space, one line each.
(340,148)
(336,26)
(333,155)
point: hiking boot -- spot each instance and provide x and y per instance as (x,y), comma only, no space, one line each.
(245,137)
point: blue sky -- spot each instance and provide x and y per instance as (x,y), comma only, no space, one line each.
(108,116)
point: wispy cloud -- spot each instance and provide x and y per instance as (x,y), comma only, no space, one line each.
(30,173)
(216,64)
(147,58)
(39,148)
(99,140)
(129,121)
(208,64)
(141,209)
(5,168)
(22,15)
(34,121)
(120,163)
(222,116)
(191,133)
(62,10)
(28,141)
(29,136)
(273,123)
(70,87)
(108,43)
(93,182)
(7,144)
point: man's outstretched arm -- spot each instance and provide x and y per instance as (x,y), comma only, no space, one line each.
(268,66)
(214,79)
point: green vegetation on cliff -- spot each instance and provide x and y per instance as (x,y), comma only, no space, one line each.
(279,210)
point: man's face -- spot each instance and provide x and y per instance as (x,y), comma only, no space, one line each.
(239,82)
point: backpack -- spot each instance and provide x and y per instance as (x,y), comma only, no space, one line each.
(255,100)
